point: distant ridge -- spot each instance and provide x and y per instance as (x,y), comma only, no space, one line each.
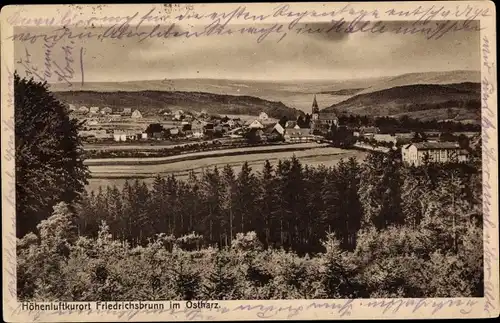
(452,77)
(154,101)
(253,88)
(458,102)
(293,93)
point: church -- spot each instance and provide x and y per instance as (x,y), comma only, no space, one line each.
(321,122)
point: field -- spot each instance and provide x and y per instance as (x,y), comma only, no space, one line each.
(117,174)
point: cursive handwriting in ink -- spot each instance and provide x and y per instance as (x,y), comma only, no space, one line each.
(485,49)
(489,157)
(30,69)
(66,73)
(54,70)
(82,71)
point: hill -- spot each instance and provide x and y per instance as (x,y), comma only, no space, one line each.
(449,77)
(153,101)
(343,92)
(458,102)
(296,93)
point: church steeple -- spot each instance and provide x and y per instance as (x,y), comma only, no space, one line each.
(315,108)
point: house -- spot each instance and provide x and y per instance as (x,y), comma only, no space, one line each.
(71,107)
(385,138)
(298,135)
(235,133)
(274,132)
(174,131)
(136,114)
(209,127)
(368,131)
(197,128)
(203,113)
(127,111)
(94,110)
(144,135)
(178,115)
(291,124)
(106,110)
(279,128)
(134,136)
(154,130)
(186,129)
(114,117)
(256,124)
(326,118)
(415,154)
(120,137)
(231,123)
(83,109)
(92,122)
(263,116)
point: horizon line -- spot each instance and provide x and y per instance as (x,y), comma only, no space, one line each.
(276,80)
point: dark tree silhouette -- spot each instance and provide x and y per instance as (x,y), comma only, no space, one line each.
(49,167)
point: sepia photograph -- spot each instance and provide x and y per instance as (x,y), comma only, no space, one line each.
(245,159)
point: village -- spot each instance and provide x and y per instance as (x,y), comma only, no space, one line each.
(109,127)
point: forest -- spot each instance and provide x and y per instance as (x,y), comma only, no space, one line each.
(370,229)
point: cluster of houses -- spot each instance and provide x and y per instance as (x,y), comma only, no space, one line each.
(95,111)
(198,125)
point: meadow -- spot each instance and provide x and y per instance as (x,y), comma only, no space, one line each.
(118,174)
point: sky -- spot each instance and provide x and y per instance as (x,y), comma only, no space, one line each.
(333,56)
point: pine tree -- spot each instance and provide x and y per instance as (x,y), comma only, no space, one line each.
(246,194)
(268,203)
(314,218)
(115,211)
(229,179)
(158,205)
(221,282)
(212,192)
(294,191)
(128,210)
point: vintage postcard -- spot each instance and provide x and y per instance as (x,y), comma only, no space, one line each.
(292,161)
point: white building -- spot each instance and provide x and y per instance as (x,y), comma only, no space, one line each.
(83,109)
(279,128)
(441,152)
(298,135)
(256,124)
(136,114)
(178,115)
(291,124)
(385,138)
(106,110)
(263,116)
(92,122)
(94,110)
(120,137)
